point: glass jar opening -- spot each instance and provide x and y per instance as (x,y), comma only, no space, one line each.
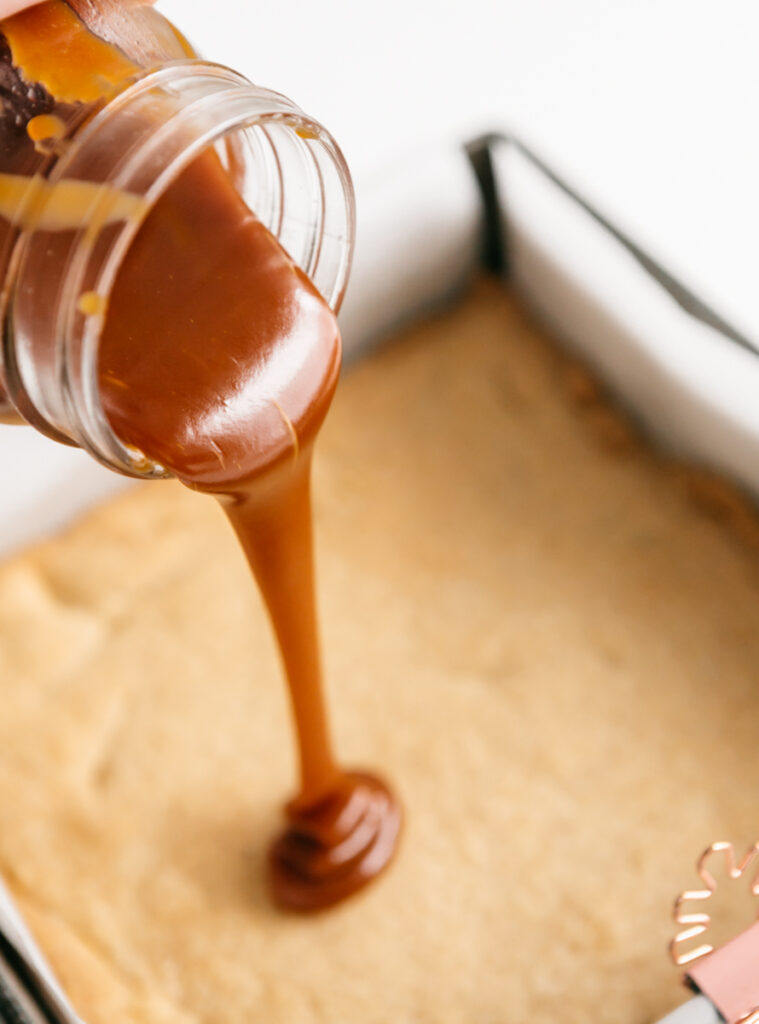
(286,167)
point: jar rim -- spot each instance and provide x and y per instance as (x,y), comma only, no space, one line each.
(206,103)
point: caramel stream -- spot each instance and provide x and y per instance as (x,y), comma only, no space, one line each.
(219,360)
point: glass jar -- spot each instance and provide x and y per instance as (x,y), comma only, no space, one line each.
(90,165)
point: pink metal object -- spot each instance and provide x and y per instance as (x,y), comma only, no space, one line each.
(729,977)
(695,923)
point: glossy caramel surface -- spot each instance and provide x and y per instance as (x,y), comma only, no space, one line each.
(219,360)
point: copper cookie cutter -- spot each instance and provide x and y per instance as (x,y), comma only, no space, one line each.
(727,976)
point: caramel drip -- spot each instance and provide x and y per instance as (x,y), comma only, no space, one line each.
(44,127)
(92,304)
(240,369)
(37,204)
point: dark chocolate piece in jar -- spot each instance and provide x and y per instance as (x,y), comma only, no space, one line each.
(21,101)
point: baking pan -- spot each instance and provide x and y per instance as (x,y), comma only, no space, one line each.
(425,232)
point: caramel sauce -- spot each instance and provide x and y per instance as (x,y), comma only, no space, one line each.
(45,127)
(219,360)
(72,65)
(34,203)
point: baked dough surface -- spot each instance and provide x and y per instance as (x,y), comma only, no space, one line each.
(529,626)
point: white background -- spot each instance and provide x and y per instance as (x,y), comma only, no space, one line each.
(649,106)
